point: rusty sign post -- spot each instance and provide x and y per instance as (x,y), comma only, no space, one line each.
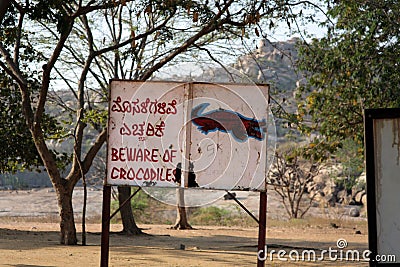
(190,135)
(105,226)
(262,230)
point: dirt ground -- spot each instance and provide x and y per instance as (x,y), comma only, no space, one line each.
(29,237)
(25,244)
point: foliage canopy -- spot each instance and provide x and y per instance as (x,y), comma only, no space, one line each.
(355,66)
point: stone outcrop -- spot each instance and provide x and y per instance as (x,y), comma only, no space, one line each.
(329,192)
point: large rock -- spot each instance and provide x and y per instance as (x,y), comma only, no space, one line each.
(320,198)
(330,188)
(364,200)
(360,186)
(342,197)
(354,212)
(330,200)
(362,179)
(310,188)
(320,179)
(358,197)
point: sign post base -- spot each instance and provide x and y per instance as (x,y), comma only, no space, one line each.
(262,225)
(105,226)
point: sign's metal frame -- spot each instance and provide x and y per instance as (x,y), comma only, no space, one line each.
(261,221)
(371,154)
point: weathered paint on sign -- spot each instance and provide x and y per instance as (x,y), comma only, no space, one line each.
(169,134)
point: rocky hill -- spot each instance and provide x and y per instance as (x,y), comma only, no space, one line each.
(271,62)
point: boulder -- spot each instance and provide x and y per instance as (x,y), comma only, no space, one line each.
(320,179)
(364,199)
(354,212)
(330,200)
(358,197)
(330,188)
(342,196)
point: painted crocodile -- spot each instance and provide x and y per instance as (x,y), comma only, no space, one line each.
(227,121)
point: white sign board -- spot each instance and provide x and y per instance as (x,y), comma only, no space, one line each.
(169,134)
(383,182)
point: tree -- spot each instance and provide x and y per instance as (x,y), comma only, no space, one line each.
(181,216)
(35,46)
(351,163)
(18,150)
(355,66)
(181,222)
(290,176)
(128,220)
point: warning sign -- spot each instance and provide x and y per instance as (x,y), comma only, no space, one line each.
(169,134)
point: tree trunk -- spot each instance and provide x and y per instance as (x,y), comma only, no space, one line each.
(128,221)
(84,210)
(67,224)
(181,218)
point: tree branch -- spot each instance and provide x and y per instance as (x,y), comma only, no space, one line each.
(215,60)
(91,154)
(211,26)
(46,74)
(140,36)
(12,68)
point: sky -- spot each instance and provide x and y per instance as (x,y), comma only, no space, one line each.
(280,33)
